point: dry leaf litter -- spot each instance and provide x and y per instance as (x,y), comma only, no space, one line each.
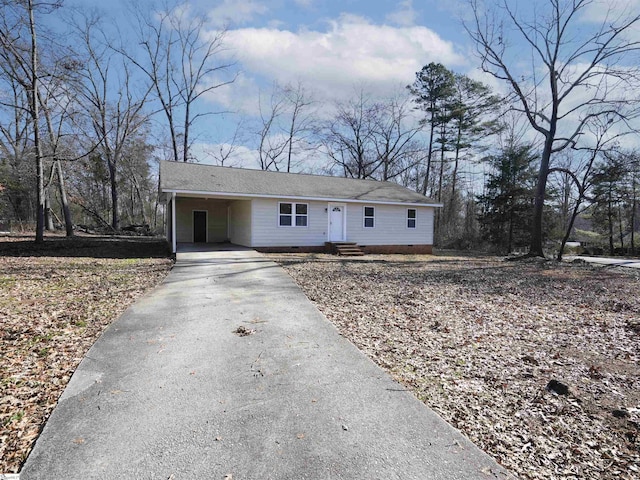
(52,309)
(489,344)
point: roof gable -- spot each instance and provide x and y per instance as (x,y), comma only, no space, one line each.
(203,179)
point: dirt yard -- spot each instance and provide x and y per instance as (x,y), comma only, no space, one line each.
(537,363)
(55,300)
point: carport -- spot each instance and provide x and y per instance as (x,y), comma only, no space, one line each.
(202,220)
(208,220)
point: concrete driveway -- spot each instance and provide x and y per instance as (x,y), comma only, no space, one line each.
(171,392)
(616,262)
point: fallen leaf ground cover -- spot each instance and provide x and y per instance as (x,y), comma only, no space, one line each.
(479,339)
(55,301)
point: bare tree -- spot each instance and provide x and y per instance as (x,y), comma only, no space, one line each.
(272,143)
(349,137)
(396,134)
(224,153)
(58,108)
(579,173)
(19,49)
(183,62)
(374,138)
(286,127)
(15,144)
(115,111)
(301,120)
(578,71)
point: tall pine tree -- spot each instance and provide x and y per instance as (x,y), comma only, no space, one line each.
(507,205)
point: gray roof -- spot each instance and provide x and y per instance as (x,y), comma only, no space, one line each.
(186,178)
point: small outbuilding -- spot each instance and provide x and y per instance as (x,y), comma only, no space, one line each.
(274,211)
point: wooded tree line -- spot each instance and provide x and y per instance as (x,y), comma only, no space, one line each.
(84,114)
(546,158)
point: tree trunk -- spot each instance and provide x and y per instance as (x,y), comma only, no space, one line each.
(634,207)
(425,186)
(567,233)
(143,214)
(510,240)
(115,218)
(535,246)
(456,165)
(185,143)
(610,219)
(620,229)
(66,211)
(35,115)
(174,140)
(442,151)
(439,220)
(290,146)
(48,217)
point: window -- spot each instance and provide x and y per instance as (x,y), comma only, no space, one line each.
(369,217)
(301,214)
(286,210)
(293,214)
(411,218)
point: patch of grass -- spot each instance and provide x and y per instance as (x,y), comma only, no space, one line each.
(44,352)
(16,417)
(7,282)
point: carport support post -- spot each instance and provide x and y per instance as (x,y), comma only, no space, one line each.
(173,223)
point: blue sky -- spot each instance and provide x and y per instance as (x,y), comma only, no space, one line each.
(333,48)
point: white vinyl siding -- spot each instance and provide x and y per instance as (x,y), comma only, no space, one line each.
(255,223)
(240,222)
(390,226)
(266,232)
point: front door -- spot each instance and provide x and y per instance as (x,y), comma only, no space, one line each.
(337,222)
(199,226)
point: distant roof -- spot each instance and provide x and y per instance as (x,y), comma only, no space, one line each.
(200,179)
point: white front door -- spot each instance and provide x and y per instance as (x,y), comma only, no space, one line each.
(337,222)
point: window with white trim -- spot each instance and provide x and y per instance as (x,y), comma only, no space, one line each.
(411,217)
(293,214)
(369,217)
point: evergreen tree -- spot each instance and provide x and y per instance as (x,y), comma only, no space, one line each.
(611,192)
(507,205)
(433,90)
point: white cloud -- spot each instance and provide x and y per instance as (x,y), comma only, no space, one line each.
(241,156)
(614,12)
(405,16)
(304,3)
(351,52)
(608,10)
(241,96)
(236,12)
(235,155)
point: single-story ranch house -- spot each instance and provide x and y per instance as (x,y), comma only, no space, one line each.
(274,211)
